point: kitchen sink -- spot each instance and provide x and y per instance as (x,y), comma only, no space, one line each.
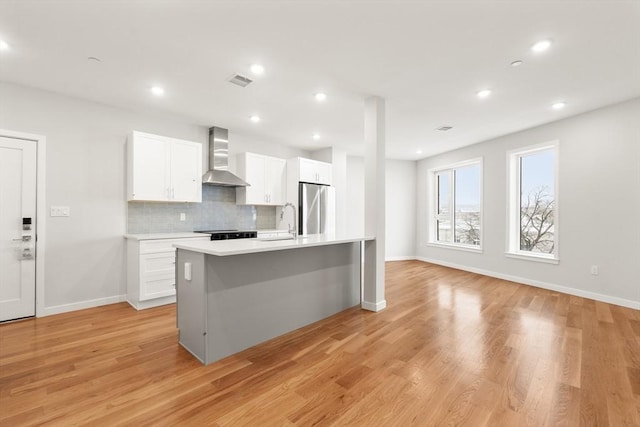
(271,239)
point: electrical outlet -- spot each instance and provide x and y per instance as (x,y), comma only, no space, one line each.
(183,216)
(594,270)
(60,211)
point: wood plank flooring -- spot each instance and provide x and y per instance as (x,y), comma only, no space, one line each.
(452,348)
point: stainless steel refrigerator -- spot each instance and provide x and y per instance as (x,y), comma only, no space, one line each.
(316,209)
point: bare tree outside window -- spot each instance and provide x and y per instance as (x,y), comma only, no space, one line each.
(468,228)
(533,202)
(536,221)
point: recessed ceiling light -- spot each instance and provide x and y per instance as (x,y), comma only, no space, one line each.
(516,63)
(559,105)
(157,90)
(316,136)
(418,151)
(320,96)
(254,118)
(257,69)
(483,93)
(541,46)
(4,45)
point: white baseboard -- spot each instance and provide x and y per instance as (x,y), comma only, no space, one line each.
(374,306)
(57,309)
(400,258)
(156,302)
(538,284)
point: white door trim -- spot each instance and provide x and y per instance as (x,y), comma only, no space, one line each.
(41,210)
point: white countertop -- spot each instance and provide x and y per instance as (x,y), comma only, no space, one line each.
(157,236)
(250,246)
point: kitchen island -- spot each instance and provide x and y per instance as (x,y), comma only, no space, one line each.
(234,294)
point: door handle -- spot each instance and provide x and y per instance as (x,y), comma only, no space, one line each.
(23,239)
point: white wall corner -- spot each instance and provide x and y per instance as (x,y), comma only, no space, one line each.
(374,306)
(374,202)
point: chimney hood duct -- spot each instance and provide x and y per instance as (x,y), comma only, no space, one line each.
(218,173)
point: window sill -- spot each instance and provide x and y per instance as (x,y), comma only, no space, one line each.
(532,257)
(465,248)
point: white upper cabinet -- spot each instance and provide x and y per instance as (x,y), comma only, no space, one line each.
(312,171)
(186,178)
(267,176)
(163,169)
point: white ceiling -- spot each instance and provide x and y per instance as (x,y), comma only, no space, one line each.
(426,58)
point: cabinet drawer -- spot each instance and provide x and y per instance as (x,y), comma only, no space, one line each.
(164,245)
(162,263)
(157,287)
(154,246)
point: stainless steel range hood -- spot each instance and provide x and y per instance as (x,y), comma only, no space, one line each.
(218,173)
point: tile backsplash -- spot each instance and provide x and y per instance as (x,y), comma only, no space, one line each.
(218,211)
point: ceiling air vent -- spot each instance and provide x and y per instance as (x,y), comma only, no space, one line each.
(444,128)
(240,80)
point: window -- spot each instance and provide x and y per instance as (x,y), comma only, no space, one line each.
(533,203)
(457,207)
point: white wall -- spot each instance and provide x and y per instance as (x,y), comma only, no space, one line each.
(400,205)
(85,166)
(400,209)
(240,144)
(599,206)
(355,194)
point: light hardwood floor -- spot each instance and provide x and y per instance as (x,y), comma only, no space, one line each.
(452,348)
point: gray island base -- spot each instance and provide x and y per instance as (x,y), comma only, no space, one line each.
(238,298)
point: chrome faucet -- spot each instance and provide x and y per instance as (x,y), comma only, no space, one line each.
(292,230)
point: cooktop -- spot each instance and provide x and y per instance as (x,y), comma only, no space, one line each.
(229,234)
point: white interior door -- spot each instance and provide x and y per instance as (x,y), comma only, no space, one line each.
(17,242)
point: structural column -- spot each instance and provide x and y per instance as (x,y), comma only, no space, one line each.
(374,204)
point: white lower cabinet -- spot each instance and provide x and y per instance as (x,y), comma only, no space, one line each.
(151,279)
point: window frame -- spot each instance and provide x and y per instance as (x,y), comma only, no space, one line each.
(433,205)
(514,201)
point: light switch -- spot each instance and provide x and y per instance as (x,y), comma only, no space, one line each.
(183,216)
(60,211)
